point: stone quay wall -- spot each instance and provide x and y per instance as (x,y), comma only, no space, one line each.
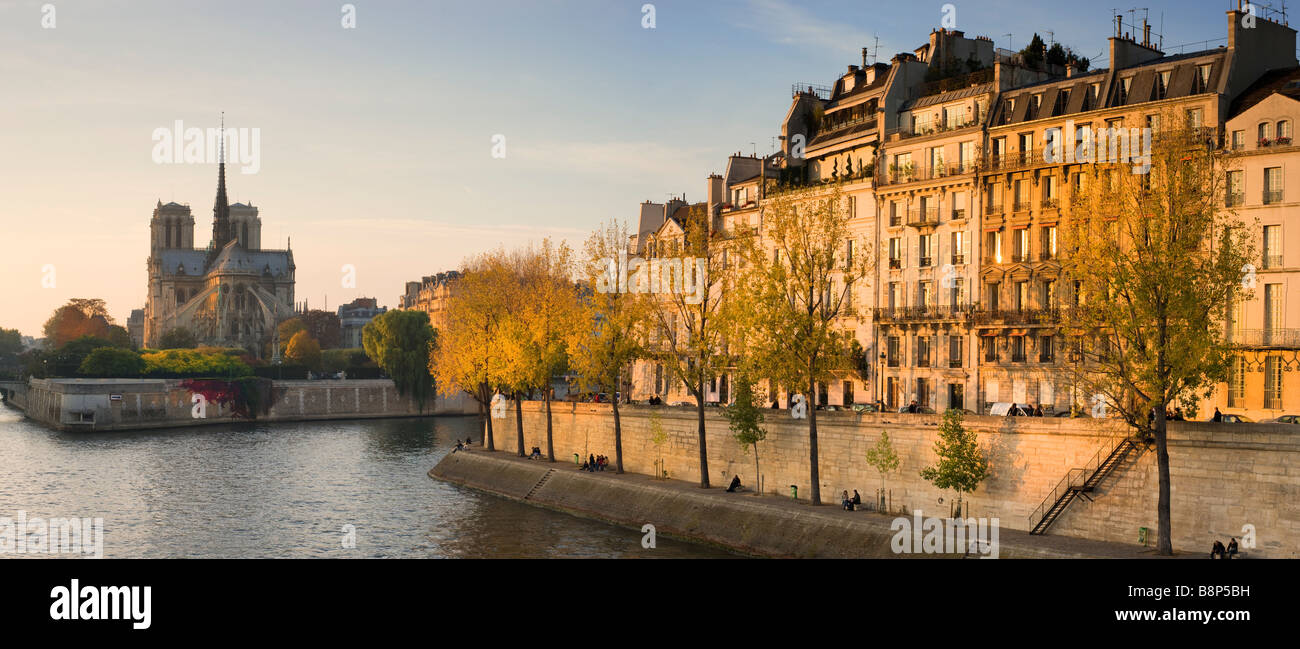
(1225,478)
(130,404)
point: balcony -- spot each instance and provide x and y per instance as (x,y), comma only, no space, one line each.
(1265,338)
(958,260)
(928,217)
(1272,196)
(958,214)
(1019,257)
(932,313)
(895,264)
(1020,206)
(993,208)
(911,172)
(1010,161)
(1016,316)
(1272,261)
(1050,203)
(1046,255)
(895,220)
(1235,200)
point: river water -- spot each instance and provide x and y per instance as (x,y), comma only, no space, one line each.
(287,490)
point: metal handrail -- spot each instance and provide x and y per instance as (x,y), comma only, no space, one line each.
(1076,478)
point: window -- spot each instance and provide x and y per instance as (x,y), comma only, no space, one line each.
(993,291)
(923,351)
(1238,140)
(1049,191)
(1027,147)
(1048,243)
(1123,87)
(922,392)
(925,294)
(1021,296)
(1273,382)
(1022,195)
(1020,245)
(936,160)
(1162,84)
(891,352)
(994,192)
(1272,246)
(956,347)
(1201,82)
(1235,189)
(891,392)
(1236,383)
(1017,349)
(958,240)
(895,253)
(958,292)
(956,394)
(993,247)
(1272,185)
(966,156)
(958,205)
(846,393)
(1195,117)
(895,295)
(1046,349)
(895,213)
(999,145)
(1272,307)
(990,344)
(1284,132)
(923,243)
(1153,123)
(1265,132)
(850,250)
(1237,320)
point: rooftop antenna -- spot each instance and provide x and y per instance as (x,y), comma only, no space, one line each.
(1010,47)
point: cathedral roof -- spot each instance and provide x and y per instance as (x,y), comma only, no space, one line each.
(179,260)
(236,259)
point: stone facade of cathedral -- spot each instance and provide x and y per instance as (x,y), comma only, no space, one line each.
(229,294)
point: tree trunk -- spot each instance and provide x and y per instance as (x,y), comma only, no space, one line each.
(519,421)
(488,441)
(550,441)
(812,441)
(618,439)
(704,451)
(1164,540)
(757,484)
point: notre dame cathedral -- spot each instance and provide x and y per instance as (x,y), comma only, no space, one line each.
(232,293)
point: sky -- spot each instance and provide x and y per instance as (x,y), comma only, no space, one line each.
(377,141)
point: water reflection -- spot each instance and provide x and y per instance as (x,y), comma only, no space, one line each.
(287,490)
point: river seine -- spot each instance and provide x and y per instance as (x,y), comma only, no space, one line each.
(288,490)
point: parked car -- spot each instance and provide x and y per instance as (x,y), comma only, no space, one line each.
(1286,419)
(1081,414)
(865,407)
(964,411)
(1004,409)
(1237,419)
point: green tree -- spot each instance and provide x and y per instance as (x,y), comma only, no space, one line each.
(797,289)
(1157,260)
(112,362)
(303,350)
(178,338)
(324,326)
(745,417)
(961,465)
(11,345)
(401,342)
(882,458)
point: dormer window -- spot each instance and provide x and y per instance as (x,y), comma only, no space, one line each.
(1201,82)
(1162,84)
(1124,85)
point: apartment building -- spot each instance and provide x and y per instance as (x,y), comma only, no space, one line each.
(431,295)
(926,188)
(1263,189)
(1022,353)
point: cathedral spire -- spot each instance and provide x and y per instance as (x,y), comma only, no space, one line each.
(221,210)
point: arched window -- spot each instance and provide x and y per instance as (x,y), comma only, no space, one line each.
(1265,132)
(1284,129)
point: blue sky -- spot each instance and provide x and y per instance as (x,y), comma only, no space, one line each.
(376,141)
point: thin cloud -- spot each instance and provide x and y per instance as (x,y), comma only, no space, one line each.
(787,24)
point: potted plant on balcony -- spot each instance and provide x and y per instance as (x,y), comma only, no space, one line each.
(1263,141)
(1283,139)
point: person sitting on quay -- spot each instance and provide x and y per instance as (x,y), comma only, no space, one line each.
(1232,549)
(1218,551)
(459,446)
(857,499)
(845,501)
(735,484)
(536,454)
